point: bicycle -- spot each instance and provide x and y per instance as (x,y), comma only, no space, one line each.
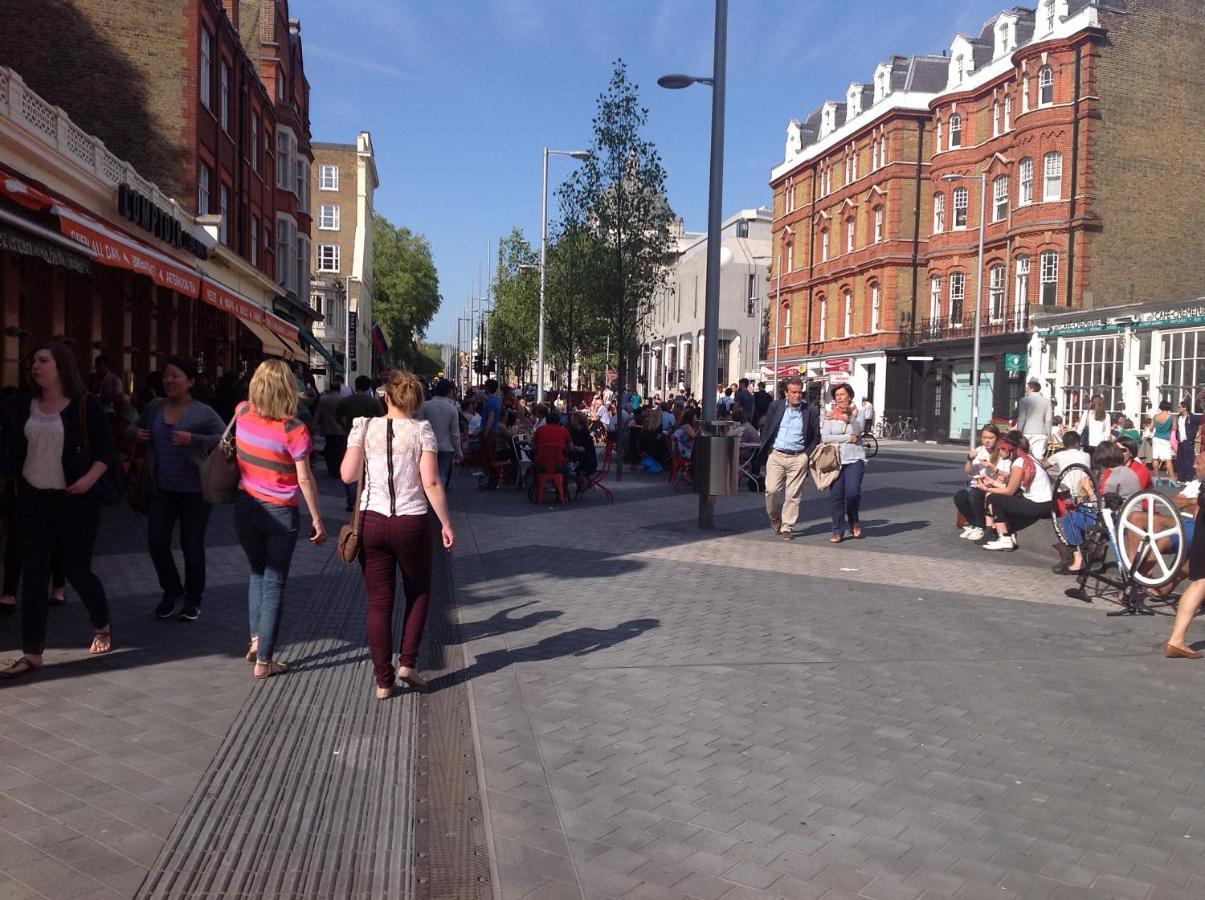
(870,444)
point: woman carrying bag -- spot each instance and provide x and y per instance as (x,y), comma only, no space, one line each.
(60,445)
(273,451)
(842,425)
(1096,425)
(397,457)
(179,433)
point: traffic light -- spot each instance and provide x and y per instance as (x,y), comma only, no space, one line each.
(478,366)
(492,367)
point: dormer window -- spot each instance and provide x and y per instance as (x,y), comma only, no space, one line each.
(1003,38)
(853,102)
(955,131)
(881,87)
(959,69)
(1049,12)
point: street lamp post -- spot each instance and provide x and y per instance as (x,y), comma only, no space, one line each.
(715,200)
(978,302)
(573,154)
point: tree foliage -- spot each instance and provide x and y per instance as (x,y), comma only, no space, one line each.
(576,325)
(514,324)
(405,287)
(618,196)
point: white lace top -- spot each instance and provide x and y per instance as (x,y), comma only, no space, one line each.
(411,438)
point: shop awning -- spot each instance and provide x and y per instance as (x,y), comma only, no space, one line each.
(273,344)
(308,340)
(231,301)
(30,239)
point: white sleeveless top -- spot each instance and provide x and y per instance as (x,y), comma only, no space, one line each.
(411,438)
(43,467)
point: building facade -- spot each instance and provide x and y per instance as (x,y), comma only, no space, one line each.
(195,95)
(674,326)
(344,183)
(1048,127)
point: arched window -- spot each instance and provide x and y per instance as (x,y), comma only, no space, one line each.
(874,308)
(937,137)
(849,312)
(955,131)
(790,198)
(962,198)
(823,318)
(1025,177)
(878,224)
(934,301)
(1021,293)
(883,151)
(995,294)
(789,251)
(1025,92)
(849,234)
(958,292)
(939,213)
(1008,111)
(785,313)
(824,245)
(1045,86)
(1052,189)
(996,119)
(1000,198)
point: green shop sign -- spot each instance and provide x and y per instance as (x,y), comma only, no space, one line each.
(1016,363)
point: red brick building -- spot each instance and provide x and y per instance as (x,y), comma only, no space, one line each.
(200,97)
(1055,115)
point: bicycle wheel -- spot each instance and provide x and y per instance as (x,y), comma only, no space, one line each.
(1074,491)
(871,444)
(1150,520)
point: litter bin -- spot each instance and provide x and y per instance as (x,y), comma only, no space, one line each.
(715,460)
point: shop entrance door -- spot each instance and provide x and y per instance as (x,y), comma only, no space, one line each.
(960,400)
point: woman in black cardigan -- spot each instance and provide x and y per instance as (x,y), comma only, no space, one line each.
(57,465)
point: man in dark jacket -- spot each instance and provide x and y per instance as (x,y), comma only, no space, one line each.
(789,435)
(761,405)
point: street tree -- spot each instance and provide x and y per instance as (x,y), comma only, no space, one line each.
(575,316)
(515,321)
(405,288)
(618,193)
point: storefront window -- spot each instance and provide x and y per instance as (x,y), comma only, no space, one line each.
(1182,371)
(1091,366)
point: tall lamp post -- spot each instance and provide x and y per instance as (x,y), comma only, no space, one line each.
(978,301)
(715,202)
(573,154)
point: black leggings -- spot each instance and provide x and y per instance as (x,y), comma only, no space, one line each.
(970,502)
(1016,510)
(12,563)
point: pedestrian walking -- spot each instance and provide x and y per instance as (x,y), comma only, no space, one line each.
(444,417)
(363,402)
(326,423)
(397,456)
(273,449)
(842,425)
(1095,425)
(60,445)
(1034,418)
(1187,425)
(790,433)
(1162,454)
(179,433)
(1190,601)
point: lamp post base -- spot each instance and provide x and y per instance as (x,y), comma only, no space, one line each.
(706,511)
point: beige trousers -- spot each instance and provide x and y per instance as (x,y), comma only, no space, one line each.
(785,475)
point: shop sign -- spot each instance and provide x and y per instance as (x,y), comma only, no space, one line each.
(112,249)
(1071,329)
(16,242)
(1016,363)
(835,378)
(353,339)
(1170,318)
(229,302)
(837,364)
(143,212)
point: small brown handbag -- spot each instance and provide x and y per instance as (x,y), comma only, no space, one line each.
(348,544)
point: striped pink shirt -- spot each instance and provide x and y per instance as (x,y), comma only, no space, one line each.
(267,453)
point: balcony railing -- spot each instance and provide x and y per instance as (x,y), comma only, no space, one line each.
(956,328)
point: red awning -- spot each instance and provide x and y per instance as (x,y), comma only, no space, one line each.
(785,370)
(22,194)
(231,301)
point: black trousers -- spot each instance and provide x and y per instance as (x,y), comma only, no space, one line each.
(56,522)
(970,502)
(1016,510)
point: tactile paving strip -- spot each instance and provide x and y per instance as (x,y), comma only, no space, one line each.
(451,853)
(311,793)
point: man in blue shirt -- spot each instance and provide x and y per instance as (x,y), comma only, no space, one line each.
(791,433)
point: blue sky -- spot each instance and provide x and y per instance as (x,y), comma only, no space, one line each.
(462,95)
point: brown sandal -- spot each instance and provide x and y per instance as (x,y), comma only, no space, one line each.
(22,666)
(271,668)
(836,539)
(102,641)
(252,651)
(855,531)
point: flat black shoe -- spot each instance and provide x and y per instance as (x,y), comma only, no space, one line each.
(8,609)
(191,611)
(166,608)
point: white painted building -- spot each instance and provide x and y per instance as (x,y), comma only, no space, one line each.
(672,334)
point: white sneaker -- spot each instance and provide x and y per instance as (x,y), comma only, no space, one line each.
(974,534)
(966,531)
(1001,542)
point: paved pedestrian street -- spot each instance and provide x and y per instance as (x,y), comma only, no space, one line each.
(654,711)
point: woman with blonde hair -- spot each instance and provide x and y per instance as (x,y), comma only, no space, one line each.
(274,466)
(397,455)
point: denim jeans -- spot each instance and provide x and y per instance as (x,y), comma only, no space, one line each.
(268,534)
(192,512)
(845,494)
(446,457)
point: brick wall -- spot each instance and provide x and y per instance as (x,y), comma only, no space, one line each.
(106,63)
(1150,156)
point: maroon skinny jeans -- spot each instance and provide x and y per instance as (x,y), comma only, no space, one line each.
(388,542)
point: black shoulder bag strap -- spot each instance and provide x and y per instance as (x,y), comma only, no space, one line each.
(389,456)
